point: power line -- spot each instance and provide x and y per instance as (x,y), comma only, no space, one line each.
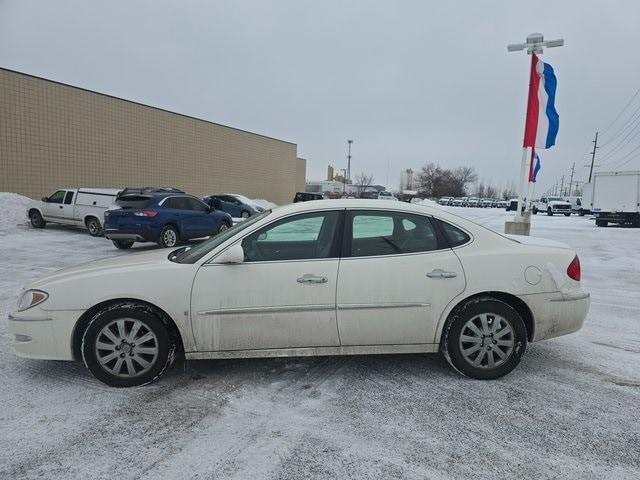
(605,130)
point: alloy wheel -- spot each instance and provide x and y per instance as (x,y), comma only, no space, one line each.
(169,237)
(126,347)
(487,341)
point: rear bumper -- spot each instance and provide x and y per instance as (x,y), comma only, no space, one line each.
(138,235)
(556,314)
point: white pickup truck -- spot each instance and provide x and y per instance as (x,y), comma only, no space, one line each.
(83,207)
(552,205)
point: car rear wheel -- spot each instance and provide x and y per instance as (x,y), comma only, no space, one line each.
(602,223)
(36,219)
(123,244)
(168,237)
(94,227)
(245,214)
(550,212)
(126,345)
(484,339)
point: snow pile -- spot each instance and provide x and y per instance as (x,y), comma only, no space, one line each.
(429,203)
(266,204)
(13,210)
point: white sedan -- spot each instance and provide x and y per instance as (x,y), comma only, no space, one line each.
(344,277)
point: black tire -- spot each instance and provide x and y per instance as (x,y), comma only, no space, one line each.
(163,343)
(36,219)
(245,214)
(169,237)
(550,212)
(581,212)
(534,210)
(94,227)
(224,226)
(450,343)
(567,214)
(123,244)
(602,223)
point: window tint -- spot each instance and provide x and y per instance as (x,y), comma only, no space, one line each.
(133,201)
(57,197)
(197,205)
(68,198)
(391,233)
(179,203)
(454,235)
(308,236)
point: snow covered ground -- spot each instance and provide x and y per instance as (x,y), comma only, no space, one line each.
(570,410)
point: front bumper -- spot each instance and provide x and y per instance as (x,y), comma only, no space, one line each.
(42,334)
(559,313)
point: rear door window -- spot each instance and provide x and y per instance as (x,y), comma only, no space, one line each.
(375,233)
(454,235)
(197,205)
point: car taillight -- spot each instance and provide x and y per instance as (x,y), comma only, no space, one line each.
(573,270)
(146,213)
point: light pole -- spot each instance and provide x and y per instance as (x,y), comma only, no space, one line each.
(349,142)
(534,44)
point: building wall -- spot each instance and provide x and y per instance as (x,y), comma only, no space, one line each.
(301,175)
(53,135)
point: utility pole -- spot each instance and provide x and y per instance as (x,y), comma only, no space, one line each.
(573,168)
(593,157)
(349,142)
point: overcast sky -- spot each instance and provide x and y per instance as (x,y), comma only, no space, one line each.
(409,82)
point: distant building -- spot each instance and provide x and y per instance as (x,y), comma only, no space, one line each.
(329,172)
(408,180)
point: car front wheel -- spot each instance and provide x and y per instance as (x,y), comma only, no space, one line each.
(127,345)
(245,214)
(36,220)
(168,237)
(223,226)
(550,212)
(484,339)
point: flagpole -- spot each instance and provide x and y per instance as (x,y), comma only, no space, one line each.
(533,45)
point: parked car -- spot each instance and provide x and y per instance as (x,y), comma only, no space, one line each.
(445,201)
(512,205)
(384,195)
(238,206)
(552,205)
(269,286)
(82,207)
(576,204)
(307,196)
(457,202)
(162,217)
(615,198)
(473,202)
(486,203)
(504,204)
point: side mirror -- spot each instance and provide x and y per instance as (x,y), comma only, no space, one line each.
(45,199)
(232,255)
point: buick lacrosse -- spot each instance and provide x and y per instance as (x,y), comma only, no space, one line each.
(340,277)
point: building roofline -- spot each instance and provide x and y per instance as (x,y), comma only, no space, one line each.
(144,105)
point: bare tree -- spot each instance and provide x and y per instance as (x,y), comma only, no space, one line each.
(362,181)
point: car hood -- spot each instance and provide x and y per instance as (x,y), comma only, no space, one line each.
(558,202)
(119,262)
(537,241)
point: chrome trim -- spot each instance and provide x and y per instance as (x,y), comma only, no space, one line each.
(258,310)
(27,318)
(372,306)
(571,298)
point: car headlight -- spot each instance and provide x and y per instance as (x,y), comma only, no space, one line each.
(31,298)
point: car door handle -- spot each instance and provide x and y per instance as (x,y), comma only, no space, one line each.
(310,278)
(439,273)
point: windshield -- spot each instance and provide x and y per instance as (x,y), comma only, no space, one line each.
(556,199)
(195,253)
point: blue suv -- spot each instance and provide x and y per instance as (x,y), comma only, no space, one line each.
(163,216)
